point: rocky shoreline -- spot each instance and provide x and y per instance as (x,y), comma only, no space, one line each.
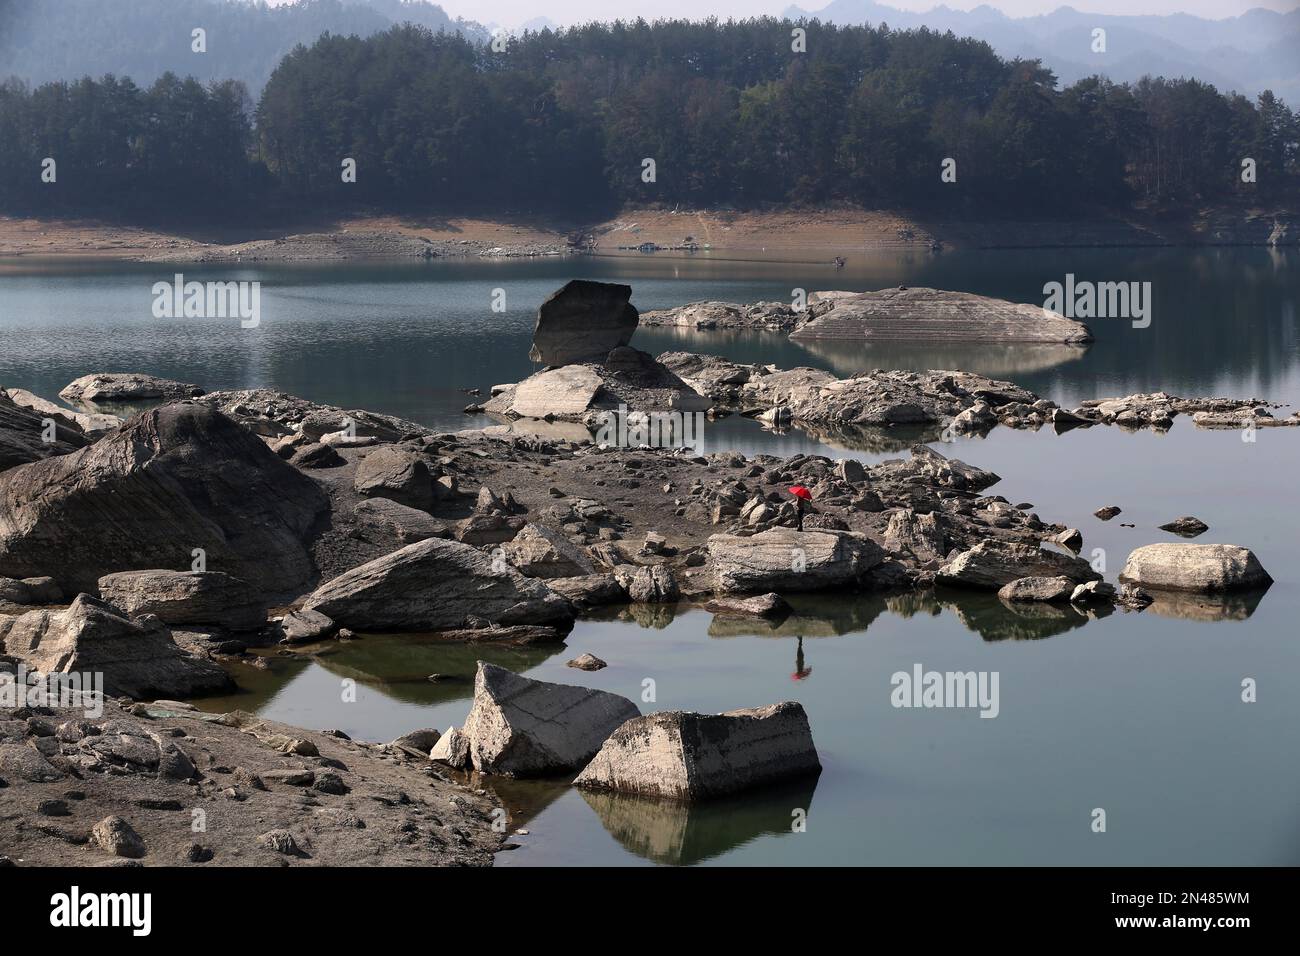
(218,524)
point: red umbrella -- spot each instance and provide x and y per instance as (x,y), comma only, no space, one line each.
(799,491)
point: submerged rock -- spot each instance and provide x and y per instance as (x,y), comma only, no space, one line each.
(521,727)
(586,662)
(137,658)
(583,321)
(171,480)
(437,585)
(990,565)
(684,756)
(1186,527)
(185,597)
(1195,567)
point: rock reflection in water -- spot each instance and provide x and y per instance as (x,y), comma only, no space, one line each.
(682,834)
(1012,361)
(1236,606)
(401,665)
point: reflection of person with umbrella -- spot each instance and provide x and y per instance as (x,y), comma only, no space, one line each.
(801,498)
(800,672)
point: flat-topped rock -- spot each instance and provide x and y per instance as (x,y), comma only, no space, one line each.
(684,756)
(783,559)
(106,387)
(920,314)
(1195,567)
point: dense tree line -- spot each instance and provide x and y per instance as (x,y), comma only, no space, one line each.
(728,112)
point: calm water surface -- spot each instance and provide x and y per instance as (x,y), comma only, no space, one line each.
(1139,714)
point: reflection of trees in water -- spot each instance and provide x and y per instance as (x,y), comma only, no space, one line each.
(682,834)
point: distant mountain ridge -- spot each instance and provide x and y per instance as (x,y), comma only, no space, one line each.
(1250,53)
(43,40)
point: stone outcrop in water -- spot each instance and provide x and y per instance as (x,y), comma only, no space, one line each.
(171,480)
(528,728)
(1058,588)
(109,387)
(435,585)
(1195,567)
(916,315)
(684,756)
(712,315)
(583,322)
(186,597)
(137,658)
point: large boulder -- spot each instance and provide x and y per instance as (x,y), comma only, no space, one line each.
(1195,567)
(23,431)
(583,322)
(783,559)
(992,564)
(435,585)
(186,597)
(538,552)
(170,480)
(521,727)
(106,387)
(137,658)
(563,392)
(685,756)
(399,474)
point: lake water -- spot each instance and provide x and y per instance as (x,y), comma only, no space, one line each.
(1140,715)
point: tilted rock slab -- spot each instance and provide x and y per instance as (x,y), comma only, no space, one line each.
(526,728)
(434,585)
(185,597)
(137,658)
(583,322)
(783,559)
(172,479)
(992,564)
(684,756)
(1195,567)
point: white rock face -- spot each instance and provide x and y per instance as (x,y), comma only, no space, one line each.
(1195,567)
(521,727)
(685,756)
(783,559)
(568,390)
(452,749)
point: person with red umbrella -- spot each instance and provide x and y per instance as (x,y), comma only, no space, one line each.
(801,496)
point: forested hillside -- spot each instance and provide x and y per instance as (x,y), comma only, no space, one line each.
(565,121)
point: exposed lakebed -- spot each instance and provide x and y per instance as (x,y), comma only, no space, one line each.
(1137,713)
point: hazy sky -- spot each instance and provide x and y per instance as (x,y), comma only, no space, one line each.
(514,12)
